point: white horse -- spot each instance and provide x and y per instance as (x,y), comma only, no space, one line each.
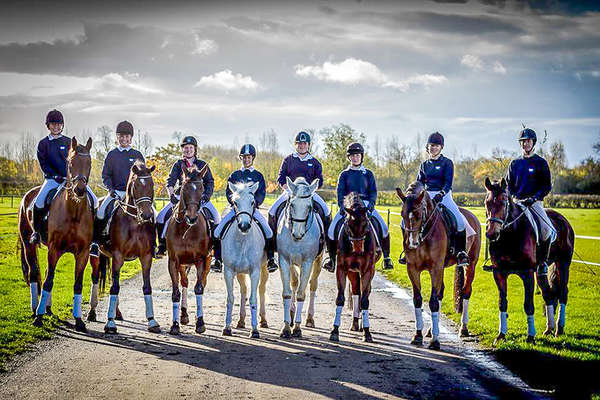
(243,249)
(298,235)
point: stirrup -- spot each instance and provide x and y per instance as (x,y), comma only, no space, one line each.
(462,260)
(216,265)
(402,260)
(542,269)
(272,265)
(34,238)
(329,265)
(489,268)
(94,250)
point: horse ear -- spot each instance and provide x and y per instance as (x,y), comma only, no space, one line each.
(400,194)
(152,168)
(254,187)
(186,172)
(503,184)
(74,143)
(314,186)
(135,169)
(420,196)
(290,184)
(203,171)
(231,187)
(488,184)
(88,145)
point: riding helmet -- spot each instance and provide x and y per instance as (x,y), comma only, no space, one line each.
(527,133)
(125,128)
(247,149)
(436,138)
(355,148)
(54,116)
(302,137)
(188,140)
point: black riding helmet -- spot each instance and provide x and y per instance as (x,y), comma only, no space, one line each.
(124,128)
(54,116)
(355,148)
(527,133)
(188,140)
(302,137)
(247,149)
(436,138)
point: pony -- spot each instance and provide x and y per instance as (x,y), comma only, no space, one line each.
(243,249)
(188,242)
(357,254)
(70,228)
(513,250)
(426,243)
(131,236)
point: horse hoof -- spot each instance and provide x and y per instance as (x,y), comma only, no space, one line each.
(185,319)
(39,320)
(548,332)
(92,316)
(49,311)
(355,327)
(255,334)
(560,330)
(464,332)
(80,326)
(434,345)
(118,315)
(201,328)
(417,340)
(286,333)
(264,324)
(310,322)
(499,339)
(297,333)
(111,330)
(334,337)
(368,337)
(241,324)
(227,332)
(428,334)
(530,339)
(175,330)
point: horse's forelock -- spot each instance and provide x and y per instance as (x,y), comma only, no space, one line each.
(353,201)
(73,152)
(240,188)
(415,188)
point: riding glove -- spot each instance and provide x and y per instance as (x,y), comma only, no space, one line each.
(174,199)
(438,197)
(528,202)
(112,193)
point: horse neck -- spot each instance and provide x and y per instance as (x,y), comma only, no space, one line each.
(73,206)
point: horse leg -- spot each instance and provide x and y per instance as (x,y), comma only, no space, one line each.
(117,263)
(80,264)
(284,270)
(29,259)
(183,278)
(415,279)
(365,292)
(95,263)
(465,294)
(354,279)
(305,271)
(146,262)
(341,276)
(501,283)
(528,304)
(294,286)
(254,278)
(202,269)
(562,268)
(53,256)
(228,275)
(548,296)
(262,289)
(314,283)
(175,295)
(243,296)
(437,289)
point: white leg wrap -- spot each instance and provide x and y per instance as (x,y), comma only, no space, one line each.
(311,303)
(94,296)
(550,316)
(33,289)
(149,307)
(365,319)
(254,319)
(530,325)
(112,306)
(199,310)
(299,311)
(77,306)
(355,307)
(562,315)
(419,319)
(184,299)
(435,325)
(465,312)
(287,304)
(41,310)
(503,322)
(338,316)
(228,315)
(176,311)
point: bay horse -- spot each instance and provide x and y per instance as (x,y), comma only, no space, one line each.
(131,236)
(426,245)
(188,243)
(298,245)
(513,250)
(357,254)
(70,223)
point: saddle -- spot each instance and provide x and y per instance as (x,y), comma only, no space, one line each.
(210,224)
(451,227)
(377,228)
(318,210)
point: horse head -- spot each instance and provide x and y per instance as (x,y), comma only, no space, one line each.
(416,208)
(79,165)
(497,207)
(300,205)
(242,196)
(192,190)
(140,190)
(356,224)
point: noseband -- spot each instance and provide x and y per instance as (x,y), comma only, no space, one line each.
(298,220)
(137,201)
(504,223)
(72,181)
(182,210)
(424,230)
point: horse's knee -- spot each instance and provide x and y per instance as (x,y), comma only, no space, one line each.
(198,289)
(364,303)
(176,295)
(418,300)
(78,287)
(340,300)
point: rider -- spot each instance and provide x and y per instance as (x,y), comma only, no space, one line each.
(52,155)
(115,174)
(189,147)
(246,174)
(356,178)
(529,181)
(437,174)
(301,164)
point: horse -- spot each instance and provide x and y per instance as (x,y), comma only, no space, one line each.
(70,224)
(357,254)
(243,246)
(426,244)
(513,250)
(188,242)
(298,245)
(131,236)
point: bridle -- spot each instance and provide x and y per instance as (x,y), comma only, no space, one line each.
(72,181)
(504,223)
(125,206)
(309,214)
(425,228)
(181,210)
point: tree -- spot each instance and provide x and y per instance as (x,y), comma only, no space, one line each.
(402,162)
(143,142)
(335,140)
(104,142)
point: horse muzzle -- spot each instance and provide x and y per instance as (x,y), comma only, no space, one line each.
(244,226)
(191,220)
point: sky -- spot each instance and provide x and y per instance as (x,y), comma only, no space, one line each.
(225,71)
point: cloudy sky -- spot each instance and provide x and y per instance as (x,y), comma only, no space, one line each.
(227,70)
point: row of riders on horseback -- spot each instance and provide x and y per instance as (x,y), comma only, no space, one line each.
(356,228)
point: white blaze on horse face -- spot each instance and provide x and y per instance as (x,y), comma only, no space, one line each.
(413,243)
(143,181)
(194,186)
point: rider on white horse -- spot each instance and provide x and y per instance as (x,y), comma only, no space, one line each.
(115,175)
(246,174)
(52,155)
(357,178)
(189,147)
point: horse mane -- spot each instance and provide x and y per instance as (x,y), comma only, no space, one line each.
(353,201)
(415,188)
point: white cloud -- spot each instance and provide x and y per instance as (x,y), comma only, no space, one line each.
(226,80)
(499,68)
(477,64)
(114,81)
(204,46)
(353,71)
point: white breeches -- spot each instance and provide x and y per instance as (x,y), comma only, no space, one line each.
(338,217)
(160,218)
(546,229)
(461,220)
(50,184)
(100,214)
(284,196)
(231,215)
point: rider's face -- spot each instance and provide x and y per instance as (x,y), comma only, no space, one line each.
(55,128)
(434,149)
(526,145)
(124,140)
(302,147)
(188,150)
(355,159)
(247,160)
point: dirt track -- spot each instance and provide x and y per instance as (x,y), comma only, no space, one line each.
(138,364)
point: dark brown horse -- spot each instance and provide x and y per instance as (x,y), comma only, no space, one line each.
(426,246)
(131,236)
(513,250)
(70,222)
(188,243)
(357,253)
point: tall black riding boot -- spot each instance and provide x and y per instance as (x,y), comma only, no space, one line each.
(329,263)
(99,225)
(544,248)
(162,242)
(460,246)
(270,247)
(217,263)
(385,248)
(38,222)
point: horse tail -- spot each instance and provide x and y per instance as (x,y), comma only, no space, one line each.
(24,265)
(459,282)
(103,263)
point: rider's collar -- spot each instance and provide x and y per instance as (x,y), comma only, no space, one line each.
(190,161)
(439,156)
(360,168)
(251,169)
(52,137)
(305,158)
(121,149)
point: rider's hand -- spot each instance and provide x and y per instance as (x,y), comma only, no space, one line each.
(112,193)
(59,179)
(174,199)
(528,202)
(438,197)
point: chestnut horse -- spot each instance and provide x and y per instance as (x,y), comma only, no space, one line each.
(188,242)
(70,222)
(513,250)
(131,236)
(426,247)
(356,257)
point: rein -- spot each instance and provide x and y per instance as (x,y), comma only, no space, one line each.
(137,201)
(504,223)
(424,231)
(71,182)
(309,215)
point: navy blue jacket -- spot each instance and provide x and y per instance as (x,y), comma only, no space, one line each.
(529,177)
(52,156)
(248,176)
(176,176)
(361,181)
(293,167)
(437,175)
(117,166)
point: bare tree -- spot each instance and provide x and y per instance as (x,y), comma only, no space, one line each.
(103,142)
(143,143)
